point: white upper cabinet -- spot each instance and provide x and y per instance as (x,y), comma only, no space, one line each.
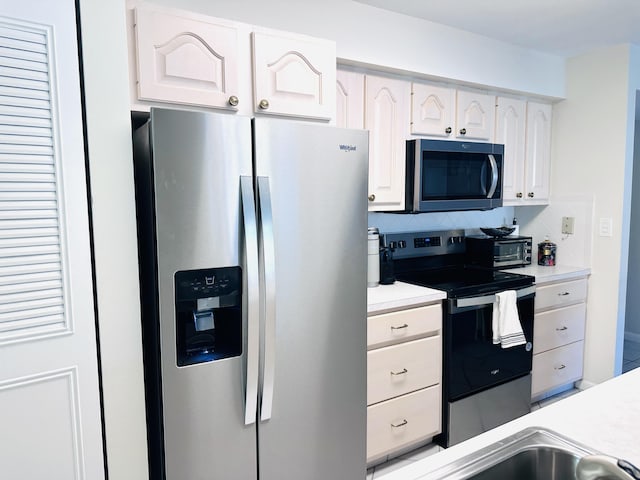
(510,131)
(387,117)
(475,115)
(444,112)
(185,58)
(186,61)
(432,110)
(349,99)
(538,152)
(525,130)
(294,75)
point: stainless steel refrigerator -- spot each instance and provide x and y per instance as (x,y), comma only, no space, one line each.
(252,240)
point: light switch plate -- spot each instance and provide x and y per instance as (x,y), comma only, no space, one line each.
(567,225)
(606,227)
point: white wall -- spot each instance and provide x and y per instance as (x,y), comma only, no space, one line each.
(115,249)
(371,35)
(632,324)
(591,151)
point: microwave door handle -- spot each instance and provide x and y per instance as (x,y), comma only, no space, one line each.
(494,176)
(483,178)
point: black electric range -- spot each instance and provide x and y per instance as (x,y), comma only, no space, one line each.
(463,281)
(483,384)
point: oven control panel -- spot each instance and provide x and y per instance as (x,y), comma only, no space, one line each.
(424,244)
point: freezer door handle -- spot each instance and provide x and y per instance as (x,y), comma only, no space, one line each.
(253,299)
(268,294)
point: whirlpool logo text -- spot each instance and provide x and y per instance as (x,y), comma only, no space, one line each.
(348,148)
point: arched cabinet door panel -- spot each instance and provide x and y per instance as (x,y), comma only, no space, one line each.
(186,60)
(387,103)
(294,75)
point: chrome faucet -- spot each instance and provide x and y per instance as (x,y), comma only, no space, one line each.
(600,467)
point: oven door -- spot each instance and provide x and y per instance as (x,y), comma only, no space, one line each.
(472,363)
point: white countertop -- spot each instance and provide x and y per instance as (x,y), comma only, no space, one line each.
(552,274)
(604,418)
(400,295)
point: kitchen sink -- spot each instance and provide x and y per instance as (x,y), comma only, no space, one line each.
(531,454)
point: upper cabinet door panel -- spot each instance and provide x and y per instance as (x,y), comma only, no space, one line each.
(387,119)
(432,109)
(538,152)
(186,61)
(475,118)
(510,131)
(349,99)
(294,75)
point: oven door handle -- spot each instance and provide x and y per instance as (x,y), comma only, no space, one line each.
(459,303)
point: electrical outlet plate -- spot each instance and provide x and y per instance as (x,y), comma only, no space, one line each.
(567,225)
(606,227)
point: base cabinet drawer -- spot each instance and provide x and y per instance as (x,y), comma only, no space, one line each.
(403,368)
(404,325)
(560,294)
(557,367)
(558,327)
(399,422)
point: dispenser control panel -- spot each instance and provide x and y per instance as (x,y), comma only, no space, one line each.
(215,282)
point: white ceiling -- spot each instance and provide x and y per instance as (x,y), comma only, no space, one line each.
(559,27)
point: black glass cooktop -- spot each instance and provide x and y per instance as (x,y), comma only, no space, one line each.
(462,281)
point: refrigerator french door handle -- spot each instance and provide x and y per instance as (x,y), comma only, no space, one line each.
(268,283)
(253,298)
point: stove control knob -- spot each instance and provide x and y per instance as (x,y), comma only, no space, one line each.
(402,244)
(392,245)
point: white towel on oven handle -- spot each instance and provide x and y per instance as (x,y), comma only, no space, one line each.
(507,329)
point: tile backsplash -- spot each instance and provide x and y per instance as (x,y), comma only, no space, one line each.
(469,220)
(538,222)
(535,221)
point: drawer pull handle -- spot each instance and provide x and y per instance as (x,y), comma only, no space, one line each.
(400,327)
(401,372)
(401,424)
(563,294)
(561,329)
(561,367)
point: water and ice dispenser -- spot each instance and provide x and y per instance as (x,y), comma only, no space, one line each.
(208,314)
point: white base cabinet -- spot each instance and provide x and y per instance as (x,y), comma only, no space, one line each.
(404,371)
(558,338)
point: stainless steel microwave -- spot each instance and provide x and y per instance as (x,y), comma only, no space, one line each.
(445,175)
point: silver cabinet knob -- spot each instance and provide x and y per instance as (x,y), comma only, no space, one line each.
(519,195)
(264,104)
(463,131)
(530,194)
(233,101)
(448,130)
(372,197)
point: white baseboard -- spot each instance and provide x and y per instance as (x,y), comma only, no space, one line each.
(633,337)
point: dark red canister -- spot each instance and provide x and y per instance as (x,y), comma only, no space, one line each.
(547,253)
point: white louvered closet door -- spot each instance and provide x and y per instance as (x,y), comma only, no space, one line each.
(49,399)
